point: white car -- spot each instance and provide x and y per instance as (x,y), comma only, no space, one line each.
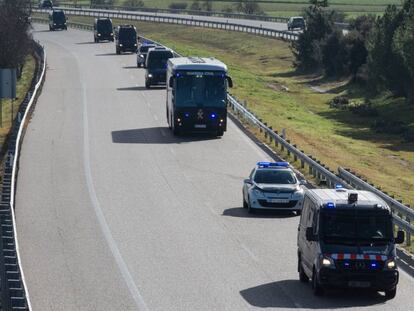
(273,186)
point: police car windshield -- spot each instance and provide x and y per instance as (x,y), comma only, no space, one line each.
(104,25)
(349,227)
(158,60)
(144,48)
(274,176)
(201,89)
(128,34)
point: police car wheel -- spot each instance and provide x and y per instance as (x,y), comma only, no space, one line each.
(316,287)
(245,205)
(250,210)
(390,294)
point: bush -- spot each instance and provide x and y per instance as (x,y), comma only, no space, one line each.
(335,54)
(195,6)
(178,6)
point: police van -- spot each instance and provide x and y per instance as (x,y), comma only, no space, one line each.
(346,240)
(197,95)
(57,20)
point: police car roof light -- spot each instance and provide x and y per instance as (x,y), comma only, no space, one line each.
(339,186)
(273,164)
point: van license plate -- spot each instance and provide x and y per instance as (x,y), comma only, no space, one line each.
(359,284)
(200,126)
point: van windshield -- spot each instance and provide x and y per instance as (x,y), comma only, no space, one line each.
(59,16)
(128,34)
(104,25)
(158,60)
(352,228)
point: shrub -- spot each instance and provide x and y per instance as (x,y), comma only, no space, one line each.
(178,6)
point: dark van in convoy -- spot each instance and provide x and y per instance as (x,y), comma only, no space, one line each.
(102,29)
(57,20)
(156,65)
(346,240)
(142,53)
(45,4)
(125,39)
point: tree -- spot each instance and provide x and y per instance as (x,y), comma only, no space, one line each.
(319,3)
(15,39)
(195,6)
(134,3)
(335,54)
(208,5)
(248,7)
(309,46)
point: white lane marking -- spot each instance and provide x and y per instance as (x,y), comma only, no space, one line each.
(133,289)
(172,151)
(248,251)
(155,117)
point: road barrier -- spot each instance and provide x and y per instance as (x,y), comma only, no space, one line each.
(137,16)
(265,18)
(402,215)
(13,287)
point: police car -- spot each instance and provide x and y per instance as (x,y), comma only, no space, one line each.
(273,186)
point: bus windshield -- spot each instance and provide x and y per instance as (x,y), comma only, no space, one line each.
(195,90)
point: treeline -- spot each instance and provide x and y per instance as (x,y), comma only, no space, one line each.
(376,51)
(15,38)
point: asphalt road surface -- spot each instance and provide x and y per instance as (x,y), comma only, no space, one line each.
(114,213)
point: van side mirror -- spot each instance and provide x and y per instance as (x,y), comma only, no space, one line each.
(171,82)
(400,237)
(229,81)
(309,234)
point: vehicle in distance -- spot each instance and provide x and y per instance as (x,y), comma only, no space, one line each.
(142,53)
(102,29)
(296,22)
(57,20)
(156,64)
(45,4)
(346,240)
(273,186)
(125,39)
(197,95)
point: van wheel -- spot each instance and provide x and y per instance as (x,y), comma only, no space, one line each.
(316,287)
(302,275)
(390,294)
(220,133)
(147,85)
(118,51)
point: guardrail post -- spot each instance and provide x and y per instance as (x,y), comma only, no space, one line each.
(295,157)
(260,128)
(408,235)
(265,132)
(288,151)
(270,136)
(276,142)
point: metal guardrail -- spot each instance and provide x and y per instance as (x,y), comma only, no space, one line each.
(318,170)
(265,18)
(136,16)
(13,286)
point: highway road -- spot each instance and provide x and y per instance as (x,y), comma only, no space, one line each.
(239,21)
(114,213)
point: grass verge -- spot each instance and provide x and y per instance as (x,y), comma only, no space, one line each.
(10,108)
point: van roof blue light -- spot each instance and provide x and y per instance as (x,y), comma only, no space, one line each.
(272,164)
(330,205)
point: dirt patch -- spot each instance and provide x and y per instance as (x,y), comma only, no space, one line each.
(278,87)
